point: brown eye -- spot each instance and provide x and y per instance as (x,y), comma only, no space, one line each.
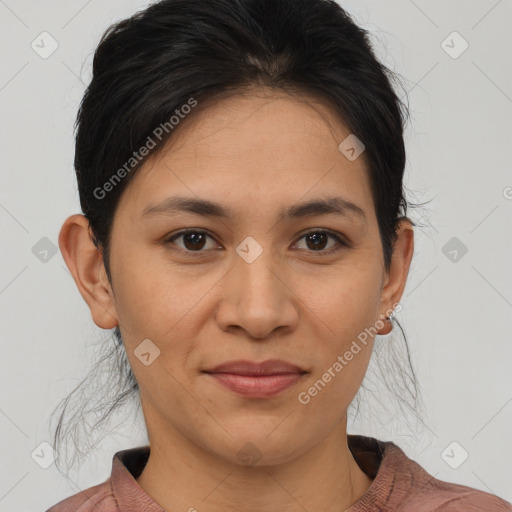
(192,240)
(316,241)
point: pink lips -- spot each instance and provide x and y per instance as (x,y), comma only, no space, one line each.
(257,380)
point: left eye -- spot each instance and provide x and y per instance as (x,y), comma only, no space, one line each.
(195,240)
(317,239)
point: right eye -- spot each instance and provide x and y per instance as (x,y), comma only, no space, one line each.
(193,240)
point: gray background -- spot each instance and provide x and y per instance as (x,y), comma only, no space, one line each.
(456,307)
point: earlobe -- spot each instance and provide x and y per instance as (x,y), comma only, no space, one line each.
(85,262)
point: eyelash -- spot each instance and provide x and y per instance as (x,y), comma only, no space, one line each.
(341,243)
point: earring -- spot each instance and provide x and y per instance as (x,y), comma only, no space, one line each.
(386,336)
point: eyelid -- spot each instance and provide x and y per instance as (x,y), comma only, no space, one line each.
(168,240)
(341,240)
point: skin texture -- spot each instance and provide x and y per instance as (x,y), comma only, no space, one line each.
(254,153)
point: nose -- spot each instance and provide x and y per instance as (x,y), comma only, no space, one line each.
(257,299)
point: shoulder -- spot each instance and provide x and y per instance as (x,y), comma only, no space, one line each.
(98,498)
(119,492)
(424,493)
(440,496)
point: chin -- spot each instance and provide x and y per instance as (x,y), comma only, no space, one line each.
(256,446)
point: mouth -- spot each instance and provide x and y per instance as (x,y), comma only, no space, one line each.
(257,380)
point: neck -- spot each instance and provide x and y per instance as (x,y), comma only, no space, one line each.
(180,475)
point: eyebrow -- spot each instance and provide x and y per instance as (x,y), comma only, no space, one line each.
(322,206)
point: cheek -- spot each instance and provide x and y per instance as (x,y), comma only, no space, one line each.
(328,393)
(166,306)
(149,297)
(346,308)
(345,298)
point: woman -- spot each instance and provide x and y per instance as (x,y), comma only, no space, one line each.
(244,230)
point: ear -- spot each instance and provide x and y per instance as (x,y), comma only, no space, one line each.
(85,262)
(395,280)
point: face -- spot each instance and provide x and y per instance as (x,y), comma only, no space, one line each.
(265,280)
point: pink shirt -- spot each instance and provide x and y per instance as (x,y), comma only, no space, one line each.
(399,485)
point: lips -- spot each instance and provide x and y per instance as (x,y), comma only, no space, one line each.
(257,380)
(250,368)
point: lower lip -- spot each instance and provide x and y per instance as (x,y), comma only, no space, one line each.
(263,386)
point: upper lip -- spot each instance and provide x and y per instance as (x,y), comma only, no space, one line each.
(269,367)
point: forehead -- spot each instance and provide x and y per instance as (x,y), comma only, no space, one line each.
(259,122)
(259,148)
